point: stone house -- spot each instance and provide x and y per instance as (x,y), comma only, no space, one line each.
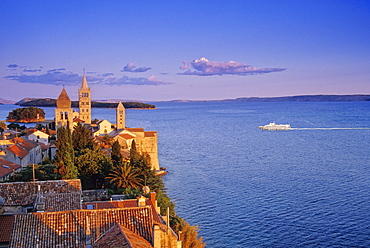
(24,152)
(7,169)
(38,136)
(103,127)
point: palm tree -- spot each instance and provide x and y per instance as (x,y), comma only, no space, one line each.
(124,176)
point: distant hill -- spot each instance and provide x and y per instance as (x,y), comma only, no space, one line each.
(4,101)
(48,102)
(303,98)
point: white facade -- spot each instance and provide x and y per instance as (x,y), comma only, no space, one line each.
(39,137)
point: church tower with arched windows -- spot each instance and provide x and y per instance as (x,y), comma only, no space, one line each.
(64,112)
(84,101)
(120,116)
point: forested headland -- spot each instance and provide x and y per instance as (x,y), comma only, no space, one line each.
(49,102)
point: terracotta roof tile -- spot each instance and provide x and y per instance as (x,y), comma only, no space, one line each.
(24,193)
(44,147)
(18,151)
(6,224)
(122,204)
(74,228)
(77,120)
(25,143)
(150,133)
(119,236)
(127,136)
(7,167)
(62,201)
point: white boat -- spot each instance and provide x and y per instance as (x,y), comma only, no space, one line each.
(274,126)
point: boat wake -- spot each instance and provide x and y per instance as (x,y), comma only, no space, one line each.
(331,128)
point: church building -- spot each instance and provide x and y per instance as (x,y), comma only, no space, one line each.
(146,141)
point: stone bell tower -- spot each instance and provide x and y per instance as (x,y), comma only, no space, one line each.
(64,112)
(84,101)
(120,116)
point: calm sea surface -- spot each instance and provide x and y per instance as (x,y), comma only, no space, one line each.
(245,187)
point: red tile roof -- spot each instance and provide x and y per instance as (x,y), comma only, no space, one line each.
(77,120)
(26,144)
(119,236)
(6,225)
(7,167)
(44,147)
(74,228)
(127,136)
(57,194)
(150,133)
(18,151)
(122,204)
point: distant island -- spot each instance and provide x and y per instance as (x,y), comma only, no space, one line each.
(301,98)
(49,102)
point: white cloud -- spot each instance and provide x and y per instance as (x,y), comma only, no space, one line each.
(204,67)
(130,67)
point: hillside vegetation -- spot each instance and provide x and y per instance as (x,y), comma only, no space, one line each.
(30,114)
(48,102)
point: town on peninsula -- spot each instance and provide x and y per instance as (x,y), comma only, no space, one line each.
(77,181)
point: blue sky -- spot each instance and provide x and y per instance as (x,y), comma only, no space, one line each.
(166,50)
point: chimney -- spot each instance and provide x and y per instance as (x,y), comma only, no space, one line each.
(141,201)
(153,199)
(156,236)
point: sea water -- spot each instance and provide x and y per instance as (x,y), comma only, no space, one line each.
(245,187)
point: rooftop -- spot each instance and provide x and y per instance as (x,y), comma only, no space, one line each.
(75,228)
(57,194)
(7,167)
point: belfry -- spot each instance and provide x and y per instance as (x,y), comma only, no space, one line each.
(84,101)
(64,112)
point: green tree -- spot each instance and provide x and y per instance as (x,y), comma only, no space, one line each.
(93,167)
(107,140)
(116,153)
(2,127)
(15,126)
(189,236)
(26,113)
(141,163)
(82,139)
(125,176)
(42,173)
(64,157)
